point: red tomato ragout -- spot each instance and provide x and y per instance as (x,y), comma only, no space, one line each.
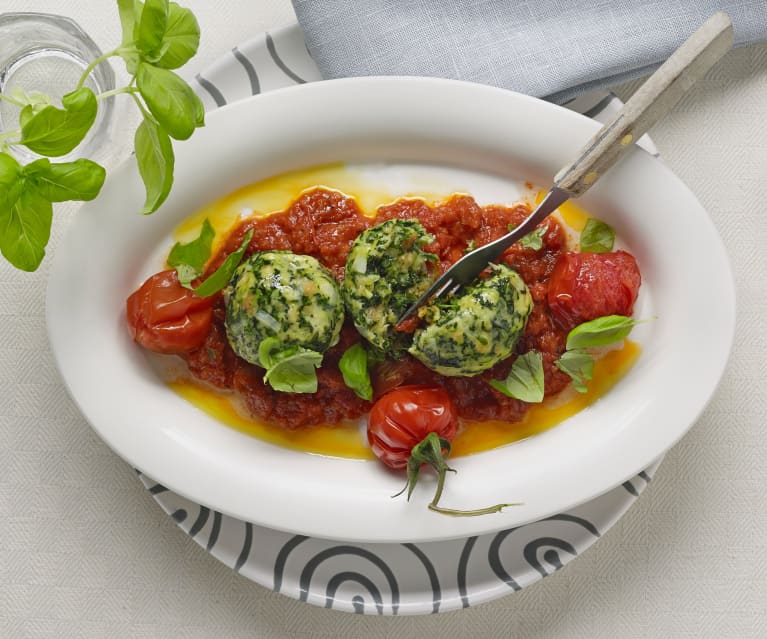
(323,224)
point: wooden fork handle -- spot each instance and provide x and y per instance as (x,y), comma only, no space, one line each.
(653,100)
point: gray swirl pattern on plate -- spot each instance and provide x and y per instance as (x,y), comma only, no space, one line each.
(404,578)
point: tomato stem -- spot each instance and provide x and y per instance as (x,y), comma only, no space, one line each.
(470,513)
(434,450)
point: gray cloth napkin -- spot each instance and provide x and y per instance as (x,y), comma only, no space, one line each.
(555,49)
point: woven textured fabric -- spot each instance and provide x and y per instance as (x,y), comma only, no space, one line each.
(547,48)
(85,553)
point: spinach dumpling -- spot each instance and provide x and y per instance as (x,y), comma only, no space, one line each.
(387,270)
(281,295)
(477,327)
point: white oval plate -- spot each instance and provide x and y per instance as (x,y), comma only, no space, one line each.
(384,578)
(109,250)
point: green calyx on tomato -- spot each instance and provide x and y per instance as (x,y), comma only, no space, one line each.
(434,450)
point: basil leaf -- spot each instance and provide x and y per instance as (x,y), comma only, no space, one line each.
(66,181)
(55,132)
(171,100)
(26,115)
(199,112)
(354,368)
(154,154)
(296,373)
(534,239)
(25,228)
(579,365)
(218,280)
(597,237)
(189,259)
(291,370)
(11,180)
(181,39)
(151,28)
(127,11)
(600,331)
(33,99)
(269,351)
(131,59)
(525,379)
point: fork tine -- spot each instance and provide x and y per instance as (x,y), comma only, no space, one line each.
(454,290)
(437,289)
(447,286)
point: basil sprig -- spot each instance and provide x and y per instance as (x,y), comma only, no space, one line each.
(525,379)
(355,366)
(290,369)
(219,278)
(600,331)
(354,369)
(579,365)
(534,239)
(56,132)
(157,37)
(156,160)
(576,360)
(189,261)
(26,197)
(597,237)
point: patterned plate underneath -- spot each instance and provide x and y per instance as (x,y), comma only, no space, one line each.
(405,579)
(384,579)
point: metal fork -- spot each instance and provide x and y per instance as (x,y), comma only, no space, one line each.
(652,101)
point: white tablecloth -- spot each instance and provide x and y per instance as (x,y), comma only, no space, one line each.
(85,552)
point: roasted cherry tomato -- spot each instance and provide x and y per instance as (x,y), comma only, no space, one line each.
(585,286)
(413,425)
(165,317)
(403,417)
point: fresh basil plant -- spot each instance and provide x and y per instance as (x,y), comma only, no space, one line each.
(157,37)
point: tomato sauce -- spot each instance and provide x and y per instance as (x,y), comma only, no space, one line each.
(324,223)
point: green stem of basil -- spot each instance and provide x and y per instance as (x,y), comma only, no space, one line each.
(434,450)
(109,94)
(141,107)
(13,101)
(96,62)
(121,51)
(7,141)
(51,131)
